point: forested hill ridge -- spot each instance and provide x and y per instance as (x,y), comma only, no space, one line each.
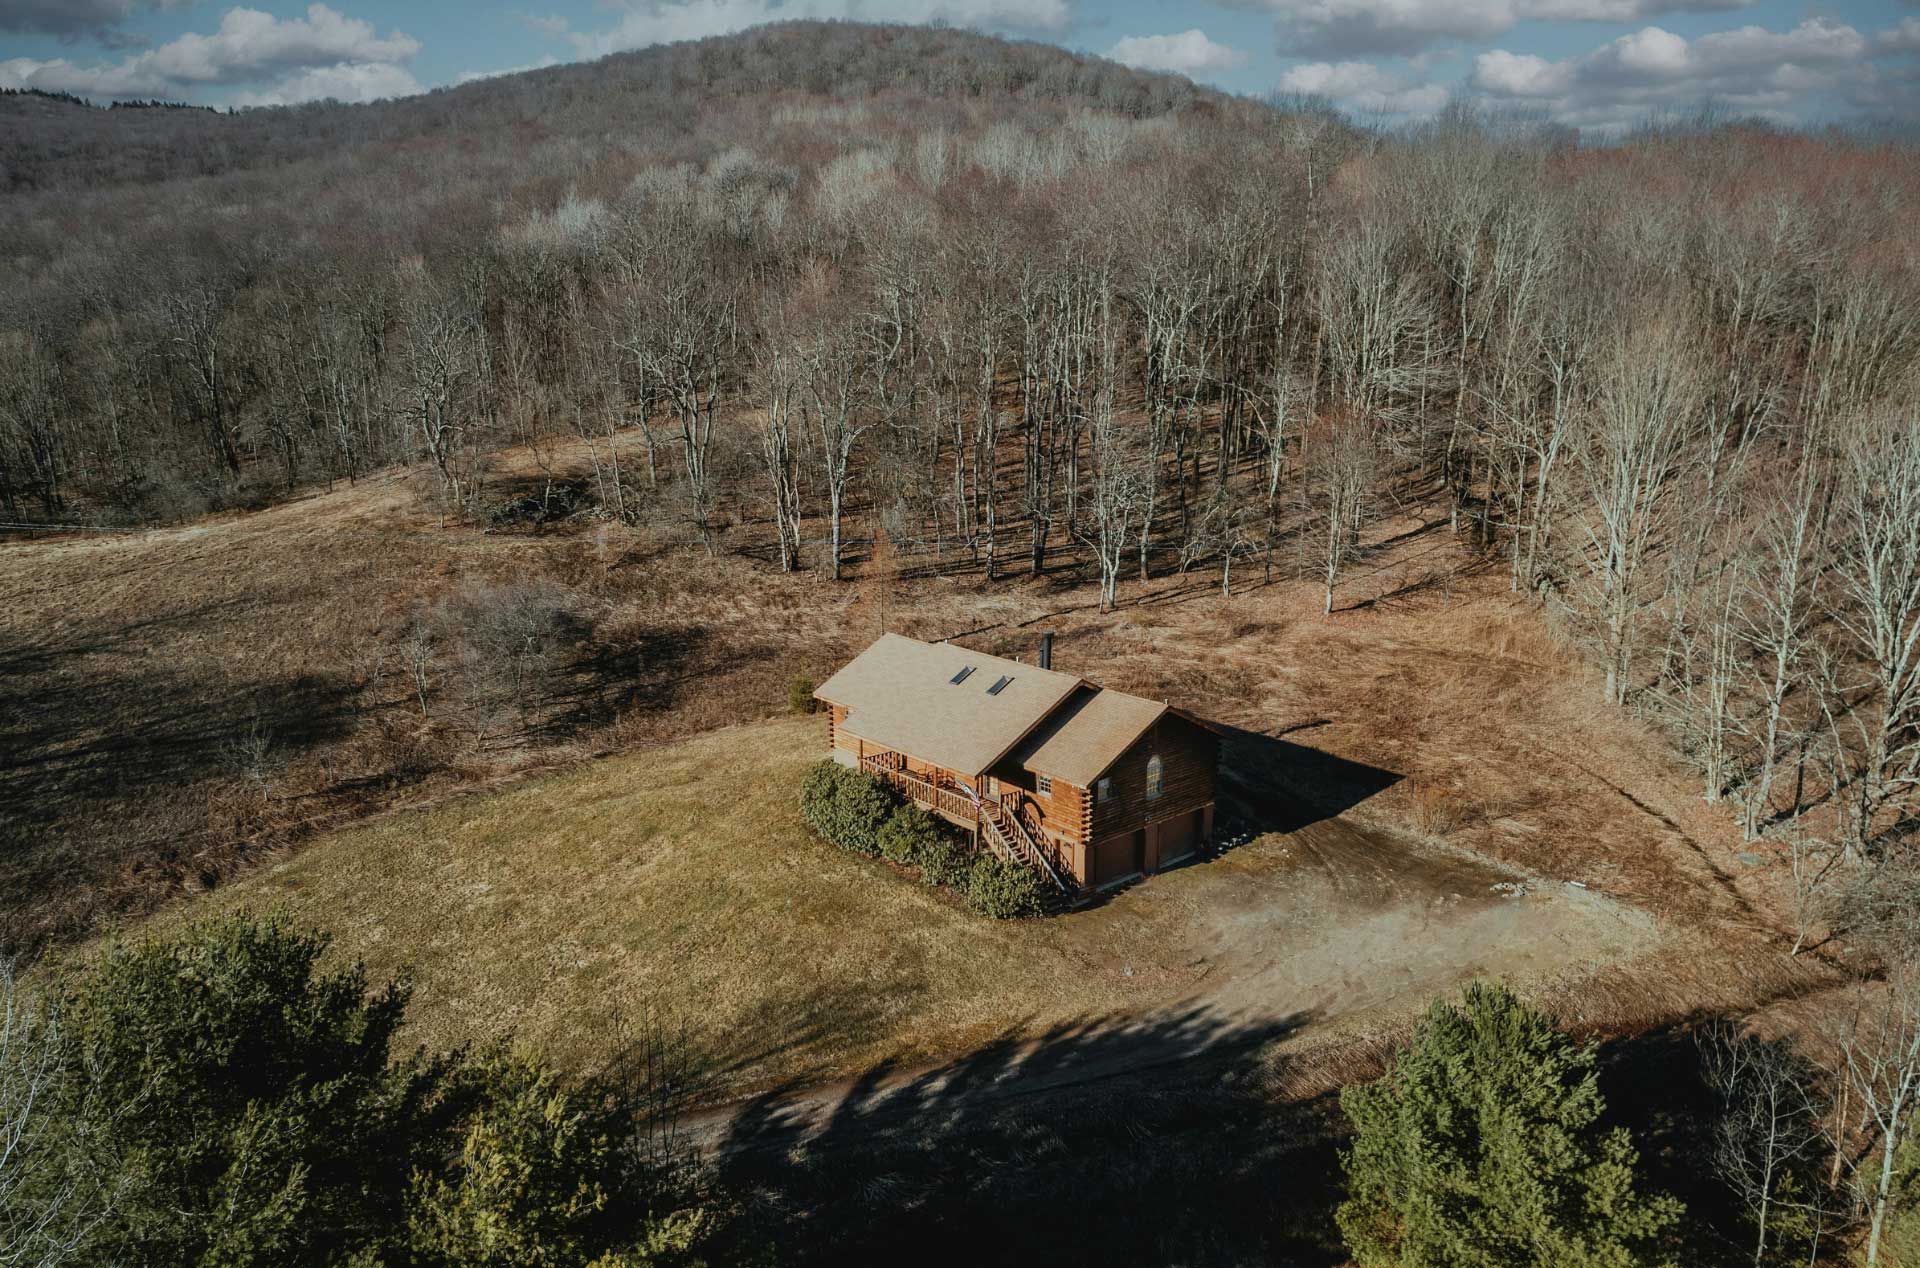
(125,227)
(642,98)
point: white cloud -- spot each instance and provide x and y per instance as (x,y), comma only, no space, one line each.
(1904,38)
(1392,26)
(1188,53)
(1775,74)
(1520,75)
(645,22)
(349,81)
(1407,26)
(277,60)
(1365,88)
(468,76)
(250,42)
(1619,10)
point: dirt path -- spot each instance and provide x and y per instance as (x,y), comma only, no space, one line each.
(1311,950)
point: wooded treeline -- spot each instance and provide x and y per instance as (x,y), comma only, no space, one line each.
(1020,310)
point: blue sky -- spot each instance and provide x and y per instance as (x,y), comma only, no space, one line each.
(1596,64)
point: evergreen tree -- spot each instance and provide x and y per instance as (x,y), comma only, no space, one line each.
(540,1180)
(244,1107)
(243,1098)
(1483,1148)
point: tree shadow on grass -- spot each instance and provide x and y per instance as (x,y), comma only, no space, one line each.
(1131,1141)
(1140,1140)
(1655,1087)
(648,673)
(104,772)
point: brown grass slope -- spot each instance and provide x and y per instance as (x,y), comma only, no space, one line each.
(133,663)
(130,667)
(679,882)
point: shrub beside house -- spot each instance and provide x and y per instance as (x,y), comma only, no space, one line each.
(859,813)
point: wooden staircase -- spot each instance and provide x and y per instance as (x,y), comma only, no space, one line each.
(1010,837)
(999,827)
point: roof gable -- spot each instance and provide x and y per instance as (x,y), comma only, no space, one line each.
(1087,735)
(900,693)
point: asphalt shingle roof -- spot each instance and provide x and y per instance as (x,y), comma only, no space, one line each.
(1088,734)
(900,693)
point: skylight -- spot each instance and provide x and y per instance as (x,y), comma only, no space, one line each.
(996,688)
(961,677)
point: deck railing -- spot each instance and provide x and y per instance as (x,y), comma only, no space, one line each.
(999,825)
(932,795)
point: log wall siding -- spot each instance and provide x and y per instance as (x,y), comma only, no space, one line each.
(1076,817)
(1188,758)
(1066,810)
(1067,813)
(1059,809)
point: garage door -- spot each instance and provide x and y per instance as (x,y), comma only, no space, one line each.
(1118,857)
(1178,837)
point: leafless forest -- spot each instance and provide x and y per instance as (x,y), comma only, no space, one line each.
(869,304)
(1012,307)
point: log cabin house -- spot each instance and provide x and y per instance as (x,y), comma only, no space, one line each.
(1092,786)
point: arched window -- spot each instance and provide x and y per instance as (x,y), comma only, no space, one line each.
(1153,775)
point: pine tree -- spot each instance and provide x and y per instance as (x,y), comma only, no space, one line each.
(237,1101)
(1482,1148)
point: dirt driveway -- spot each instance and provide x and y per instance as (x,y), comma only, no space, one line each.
(1348,922)
(1290,941)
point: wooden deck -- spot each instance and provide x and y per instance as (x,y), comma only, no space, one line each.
(943,798)
(998,826)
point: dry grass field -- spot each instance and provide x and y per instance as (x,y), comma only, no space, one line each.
(603,856)
(681,880)
(132,666)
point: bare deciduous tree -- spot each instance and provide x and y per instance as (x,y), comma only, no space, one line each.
(511,642)
(30,434)
(253,755)
(1341,464)
(1630,460)
(1879,573)
(439,354)
(780,387)
(1879,1046)
(1770,1128)
(421,650)
(1813,867)
(1779,581)
(837,394)
(1119,495)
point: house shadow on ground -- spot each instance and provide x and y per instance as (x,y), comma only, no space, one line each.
(1147,1140)
(1268,784)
